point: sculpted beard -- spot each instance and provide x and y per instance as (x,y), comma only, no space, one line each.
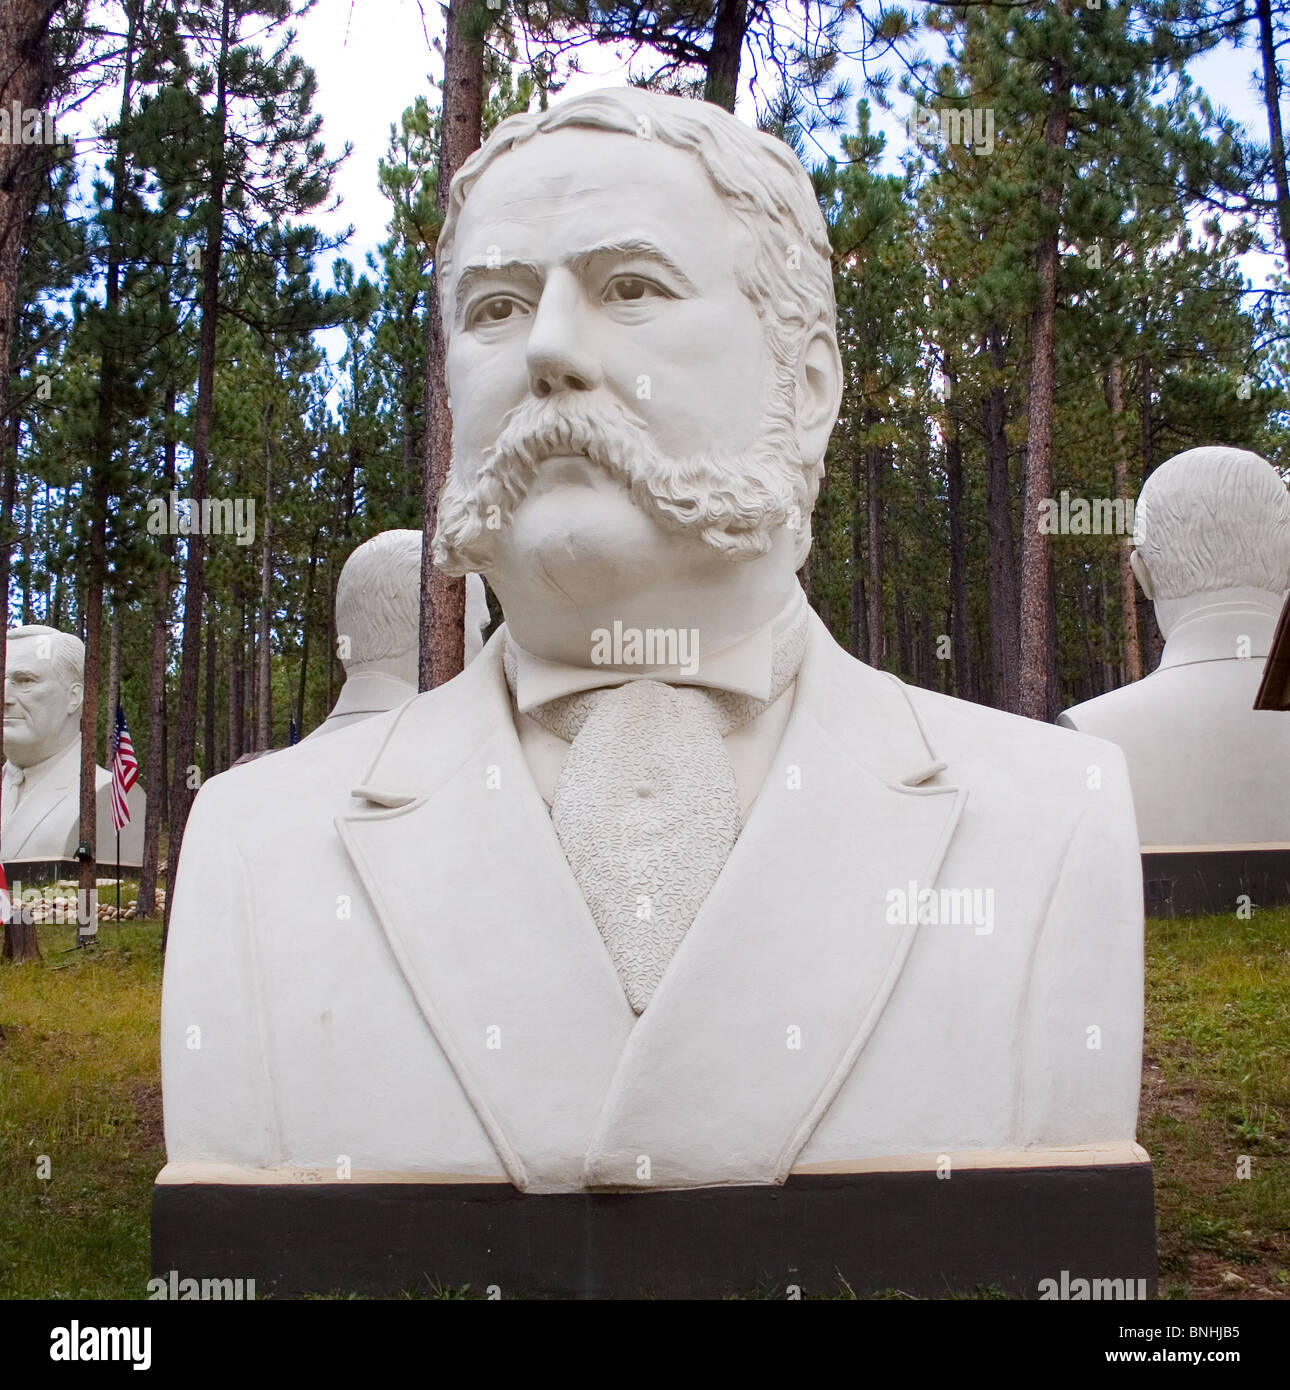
(736,502)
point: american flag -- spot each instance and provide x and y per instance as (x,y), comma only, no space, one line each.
(125,771)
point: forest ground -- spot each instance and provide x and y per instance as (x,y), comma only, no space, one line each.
(79,1084)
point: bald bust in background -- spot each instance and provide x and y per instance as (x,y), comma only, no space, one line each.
(378,604)
(40,814)
(1212,551)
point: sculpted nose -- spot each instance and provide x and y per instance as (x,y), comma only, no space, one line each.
(561,354)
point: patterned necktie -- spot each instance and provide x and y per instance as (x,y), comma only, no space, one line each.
(14,777)
(646,807)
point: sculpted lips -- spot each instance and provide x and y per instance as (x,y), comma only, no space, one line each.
(565,468)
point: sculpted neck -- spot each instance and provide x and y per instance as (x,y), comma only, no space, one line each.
(1206,627)
(722,603)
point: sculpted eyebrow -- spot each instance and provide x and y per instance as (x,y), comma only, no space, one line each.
(578,261)
(636,248)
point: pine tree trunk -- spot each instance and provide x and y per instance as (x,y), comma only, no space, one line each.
(1132,654)
(1035,694)
(28,612)
(155,784)
(1005,650)
(25,77)
(114,672)
(960,658)
(235,712)
(1272,105)
(210,753)
(873,464)
(1154,642)
(722,84)
(101,475)
(155,771)
(181,793)
(90,703)
(443,599)
(859,627)
(264,729)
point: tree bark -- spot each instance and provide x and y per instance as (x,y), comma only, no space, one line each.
(722,84)
(26,77)
(1005,653)
(264,699)
(114,670)
(1272,105)
(959,651)
(181,793)
(101,489)
(443,599)
(1035,695)
(859,627)
(155,771)
(304,635)
(1154,642)
(873,465)
(236,713)
(210,753)
(1132,653)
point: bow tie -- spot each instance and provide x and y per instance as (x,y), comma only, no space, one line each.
(732,708)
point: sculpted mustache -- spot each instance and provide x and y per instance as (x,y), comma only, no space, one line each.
(609,436)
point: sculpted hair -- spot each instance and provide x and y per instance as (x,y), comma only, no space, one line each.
(67,651)
(378,597)
(1212,519)
(789,279)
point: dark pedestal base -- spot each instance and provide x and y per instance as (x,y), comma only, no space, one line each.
(1189,883)
(1011,1228)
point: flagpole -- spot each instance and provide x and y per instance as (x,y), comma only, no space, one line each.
(118,885)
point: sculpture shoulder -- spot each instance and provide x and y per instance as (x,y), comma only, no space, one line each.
(310,780)
(1104,714)
(982,743)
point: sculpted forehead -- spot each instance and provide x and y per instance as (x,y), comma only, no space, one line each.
(22,655)
(558,192)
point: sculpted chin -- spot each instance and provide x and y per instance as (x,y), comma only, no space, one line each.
(569,922)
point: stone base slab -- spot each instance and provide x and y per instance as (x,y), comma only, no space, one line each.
(1193,882)
(1011,1227)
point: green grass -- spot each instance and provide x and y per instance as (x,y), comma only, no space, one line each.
(1217,1088)
(79,1084)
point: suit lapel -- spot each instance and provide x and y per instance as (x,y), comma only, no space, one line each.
(34,808)
(783,975)
(465,874)
(767,1003)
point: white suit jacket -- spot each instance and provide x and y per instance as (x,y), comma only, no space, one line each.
(1207,769)
(46,825)
(380,962)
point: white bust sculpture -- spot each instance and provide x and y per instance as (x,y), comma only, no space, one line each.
(665,889)
(1212,550)
(378,604)
(40,814)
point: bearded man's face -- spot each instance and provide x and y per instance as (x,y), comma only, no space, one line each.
(614,402)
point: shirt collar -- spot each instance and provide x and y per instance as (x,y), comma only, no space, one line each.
(743,667)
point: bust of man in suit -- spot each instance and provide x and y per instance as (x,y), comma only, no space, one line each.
(1212,551)
(378,605)
(41,812)
(665,889)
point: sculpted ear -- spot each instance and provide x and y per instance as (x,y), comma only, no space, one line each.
(75,697)
(1139,567)
(819,392)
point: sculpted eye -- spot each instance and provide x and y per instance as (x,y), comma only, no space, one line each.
(498,308)
(631,289)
